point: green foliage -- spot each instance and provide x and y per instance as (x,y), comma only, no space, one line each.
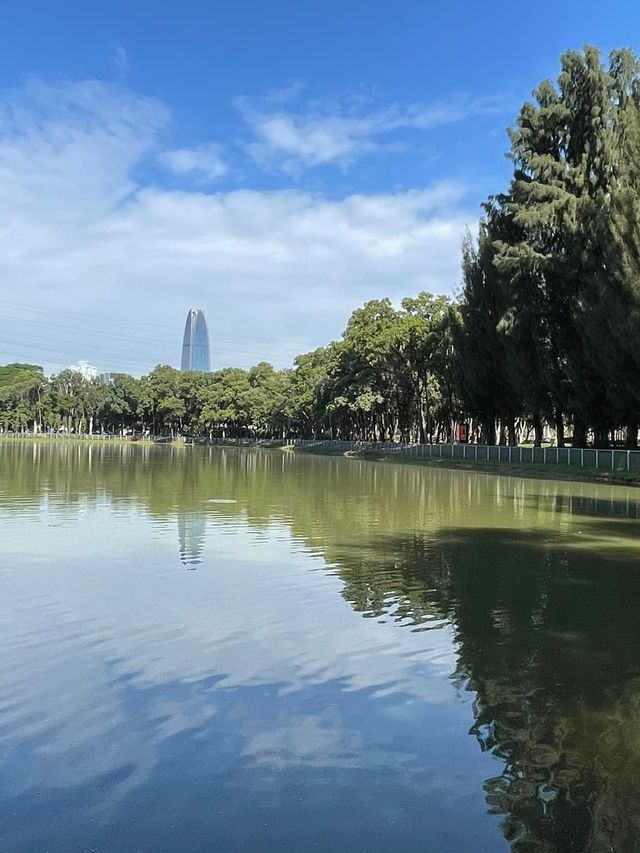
(21,388)
(556,263)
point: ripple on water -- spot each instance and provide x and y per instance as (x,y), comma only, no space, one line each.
(342,630)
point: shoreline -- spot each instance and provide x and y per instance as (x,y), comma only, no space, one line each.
(530,470)
(84,439)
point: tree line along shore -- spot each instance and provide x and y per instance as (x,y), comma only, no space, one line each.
(543,337)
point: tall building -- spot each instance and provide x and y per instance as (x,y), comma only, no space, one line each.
(86,370)
(195,344)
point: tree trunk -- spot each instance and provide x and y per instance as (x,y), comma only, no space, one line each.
(537,429)
(579,432)
(631,442)
(427,424)
(559,419)
(489,428)
(601,437)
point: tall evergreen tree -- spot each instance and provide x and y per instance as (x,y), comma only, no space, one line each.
(567,150)
(485,386)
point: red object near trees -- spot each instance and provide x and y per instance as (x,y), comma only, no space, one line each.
(463,433)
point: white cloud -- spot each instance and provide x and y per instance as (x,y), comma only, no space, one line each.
(340,133)
(67,152)
(120,63)
(204,161)
(277,272)
(308,140)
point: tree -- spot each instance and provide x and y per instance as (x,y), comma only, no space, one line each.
(226,402)
(160,397)
(570,204)
(485,386)
(270,409)
(123,402)
(312,389)
(67,399)
(21,387)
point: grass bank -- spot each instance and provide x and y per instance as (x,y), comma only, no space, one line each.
(535,470)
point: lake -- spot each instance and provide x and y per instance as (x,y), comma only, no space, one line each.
(211,649)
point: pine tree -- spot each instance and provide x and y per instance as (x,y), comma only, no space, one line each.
(568,150)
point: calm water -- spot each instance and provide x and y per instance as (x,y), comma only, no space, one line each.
(218,649)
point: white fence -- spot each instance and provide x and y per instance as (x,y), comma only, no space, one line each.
(613,459)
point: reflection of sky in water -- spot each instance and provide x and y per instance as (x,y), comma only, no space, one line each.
(313,684)
(246,702)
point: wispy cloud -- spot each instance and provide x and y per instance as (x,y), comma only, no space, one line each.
(204,161)
(120,63)
(67,150)
(289,138)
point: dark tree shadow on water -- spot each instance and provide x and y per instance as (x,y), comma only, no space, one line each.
(549,641)
(599,507)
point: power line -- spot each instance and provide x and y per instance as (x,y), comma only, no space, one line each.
(113,321)
(74,337)
(49,350)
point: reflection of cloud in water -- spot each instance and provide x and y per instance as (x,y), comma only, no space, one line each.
(191,535)
(263,678)
(171,690)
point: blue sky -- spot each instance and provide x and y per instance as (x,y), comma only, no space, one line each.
(275,163)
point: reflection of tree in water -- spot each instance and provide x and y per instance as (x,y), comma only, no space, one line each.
(553,656)
(191,535)
(546,618)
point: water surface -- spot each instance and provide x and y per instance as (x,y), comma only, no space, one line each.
(218,649)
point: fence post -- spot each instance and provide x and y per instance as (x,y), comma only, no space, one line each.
(544,455)
(628,460)
(476,452)
(597,458)
(509,453)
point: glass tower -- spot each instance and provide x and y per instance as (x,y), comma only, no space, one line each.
(195,344)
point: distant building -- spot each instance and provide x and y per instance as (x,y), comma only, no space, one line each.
(195,344)
(86,370)
(108,378)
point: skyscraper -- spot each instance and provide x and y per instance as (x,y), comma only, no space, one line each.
(195,344)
